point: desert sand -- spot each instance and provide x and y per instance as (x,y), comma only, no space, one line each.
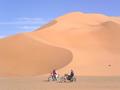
(22,55)
(40,83)
(87,43)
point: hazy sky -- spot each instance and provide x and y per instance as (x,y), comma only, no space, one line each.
(26,15)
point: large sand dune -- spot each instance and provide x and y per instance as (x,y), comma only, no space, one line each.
(23,55)
(93,40)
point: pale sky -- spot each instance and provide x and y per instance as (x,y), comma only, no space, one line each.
(26,15)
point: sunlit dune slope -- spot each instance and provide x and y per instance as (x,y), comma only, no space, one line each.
(87,43)
(94,40)
(24,55)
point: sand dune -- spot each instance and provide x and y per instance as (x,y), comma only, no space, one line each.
(93,40)
(23,55)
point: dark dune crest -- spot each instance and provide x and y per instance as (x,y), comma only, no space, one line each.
(47,25)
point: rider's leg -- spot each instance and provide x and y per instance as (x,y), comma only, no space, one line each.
(55,77)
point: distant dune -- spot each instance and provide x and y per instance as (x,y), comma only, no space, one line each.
(87,43)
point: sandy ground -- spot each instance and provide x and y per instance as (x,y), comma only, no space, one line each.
(41,83)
